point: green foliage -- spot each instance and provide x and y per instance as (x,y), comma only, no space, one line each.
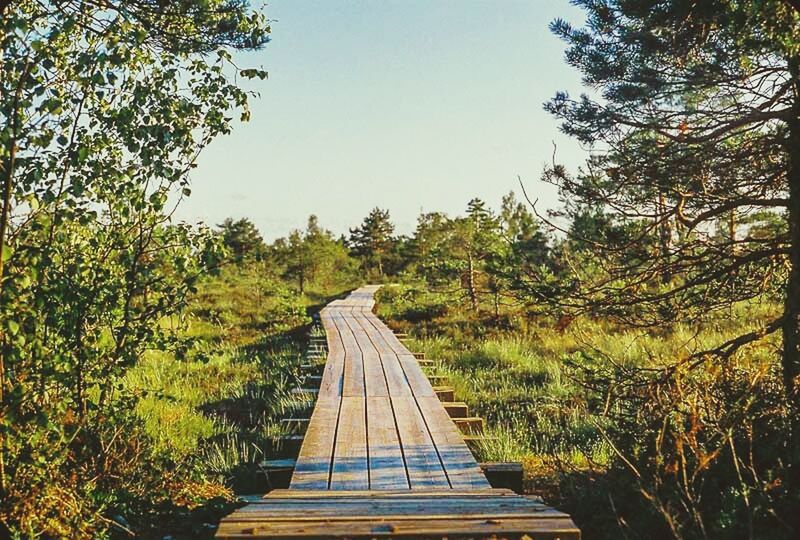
(105,108)
(689,207)
(603,432)
(313,258)
(213,404)
(242,239)
(372,241)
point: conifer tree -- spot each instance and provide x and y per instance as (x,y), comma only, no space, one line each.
(372,241)
(696,129)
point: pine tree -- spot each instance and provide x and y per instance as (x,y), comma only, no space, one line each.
(372,241)
(242,238)
(697,124)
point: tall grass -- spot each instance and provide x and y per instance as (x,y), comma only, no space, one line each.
(523,381)
(215,401)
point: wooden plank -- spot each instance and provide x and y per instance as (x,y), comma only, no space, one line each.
(374,379)
(420,385)
(508,475)
(417,380)
(388,335)
(540,529)
(469,425)
(387,467)
(422,462)
(444,393)
(396,493)
(395,377)
(333,372)
(316,454)
(401,507)
(350,465)
(462,470)
(456,409)
(353,381)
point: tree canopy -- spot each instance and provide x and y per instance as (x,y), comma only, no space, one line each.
(105,107)
(691,199)
(372,241)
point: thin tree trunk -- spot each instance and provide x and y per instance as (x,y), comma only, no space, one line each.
(665,236)
(8,190)
(8,176)
(473,296)
(790,361)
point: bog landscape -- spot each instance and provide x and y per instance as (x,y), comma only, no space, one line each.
(604,344)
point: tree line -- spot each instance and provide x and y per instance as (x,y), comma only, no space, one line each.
(483,253)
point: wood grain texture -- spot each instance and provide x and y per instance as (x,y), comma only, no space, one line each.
(350,468)
(313,467)
(422,461)
(386,461)
(374,379)
(535,528)
(461,468)
(392,370)
(353,383)
(331,385)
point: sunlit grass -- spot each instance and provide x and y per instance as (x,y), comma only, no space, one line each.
(216,398)
(523,382)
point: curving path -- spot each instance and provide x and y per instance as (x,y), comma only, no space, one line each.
(381,456)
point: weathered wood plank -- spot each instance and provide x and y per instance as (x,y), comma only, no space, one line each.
(462,470)
(389,337)
(396,493)
(374,379)
(422,462)
(358,507)
(540,529)
(333,372)
(420,385)
(393,371)
(386,463)
(353,382)
(313,467)
(350,465)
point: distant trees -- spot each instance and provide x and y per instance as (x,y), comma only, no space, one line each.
(526,266)
(312,256)
(242,239)
(373,240)
(467,250)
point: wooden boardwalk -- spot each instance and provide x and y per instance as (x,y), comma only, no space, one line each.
(381,456)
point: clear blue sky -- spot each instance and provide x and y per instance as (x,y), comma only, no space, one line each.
(405,105)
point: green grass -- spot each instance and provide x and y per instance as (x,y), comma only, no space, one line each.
(525,380)
(215,401)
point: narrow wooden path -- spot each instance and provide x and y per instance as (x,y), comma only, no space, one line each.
(381,456)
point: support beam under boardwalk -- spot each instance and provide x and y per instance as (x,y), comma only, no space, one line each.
(382,456)
(368,514)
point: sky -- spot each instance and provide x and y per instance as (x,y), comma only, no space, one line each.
(406,105)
